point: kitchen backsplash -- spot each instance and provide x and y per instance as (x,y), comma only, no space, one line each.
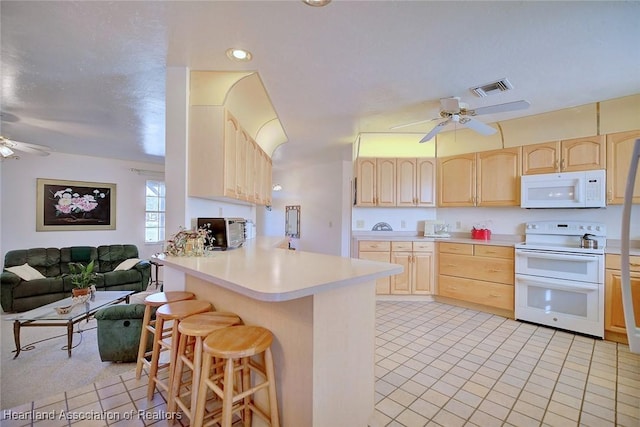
(498,220)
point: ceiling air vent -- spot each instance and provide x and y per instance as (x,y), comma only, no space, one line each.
(492,88)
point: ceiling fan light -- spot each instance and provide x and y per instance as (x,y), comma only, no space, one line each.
(6,151)
(316,3)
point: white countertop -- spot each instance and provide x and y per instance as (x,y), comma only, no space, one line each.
(264,272)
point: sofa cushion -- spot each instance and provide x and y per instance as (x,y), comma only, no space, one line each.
(81,254)
(109,256)
(49,285)
(45,260)
(26,272)
(127,264)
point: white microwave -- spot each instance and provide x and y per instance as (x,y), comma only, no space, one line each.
(585,189)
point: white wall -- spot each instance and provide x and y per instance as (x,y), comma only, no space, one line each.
(319,190)
(506,220)
(18,201)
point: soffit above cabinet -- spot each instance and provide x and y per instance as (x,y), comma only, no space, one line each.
(244,95)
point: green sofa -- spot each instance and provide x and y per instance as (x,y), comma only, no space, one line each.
(17,295)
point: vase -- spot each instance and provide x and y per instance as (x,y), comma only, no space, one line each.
(76,292)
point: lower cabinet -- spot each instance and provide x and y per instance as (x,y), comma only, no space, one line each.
(614,324)
(418,263)
(479,274)
(417,258)
(376,250)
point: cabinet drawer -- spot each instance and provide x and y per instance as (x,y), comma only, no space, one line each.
(456,248)
(423,246)
(613,261)
(480,268)
(401,246)
(374,246)
(494,251)
(491,294)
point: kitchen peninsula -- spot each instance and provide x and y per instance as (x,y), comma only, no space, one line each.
(321,310)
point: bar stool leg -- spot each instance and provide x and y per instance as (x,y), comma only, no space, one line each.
(153,369)
(197,371)
(227,395)
(271,377)
(202,392)
(177,380)
(142,348)
(246,385)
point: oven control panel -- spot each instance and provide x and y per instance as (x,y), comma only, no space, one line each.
(566,228)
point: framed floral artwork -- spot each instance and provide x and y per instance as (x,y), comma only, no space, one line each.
(75,205)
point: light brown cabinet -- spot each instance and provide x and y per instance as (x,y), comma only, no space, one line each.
(417,258)
(375,250)
(489,178)
(224,161)
(478,274)
(375,182)
(614,323)
(415,182)
(619,149)
(569,155)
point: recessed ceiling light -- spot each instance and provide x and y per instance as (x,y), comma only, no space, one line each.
(316,3)
(239,54)
(277,187)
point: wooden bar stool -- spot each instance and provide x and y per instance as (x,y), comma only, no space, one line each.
(193,330)
(152,301)
(233,348)
(174,312)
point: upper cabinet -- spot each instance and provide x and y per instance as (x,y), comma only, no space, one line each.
(395,182)
(224,161)
(568,155)
(489,178)
(619,149)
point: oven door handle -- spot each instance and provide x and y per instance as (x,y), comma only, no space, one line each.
(552,255)
(550,283)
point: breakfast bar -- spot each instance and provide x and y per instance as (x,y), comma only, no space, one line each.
(321,310)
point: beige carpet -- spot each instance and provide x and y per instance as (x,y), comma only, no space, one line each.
(47,370)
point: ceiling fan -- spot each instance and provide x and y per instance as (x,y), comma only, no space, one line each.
(8,147)
(454,111)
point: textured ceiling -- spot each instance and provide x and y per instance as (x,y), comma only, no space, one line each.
(89,77)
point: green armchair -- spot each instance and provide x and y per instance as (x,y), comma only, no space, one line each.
(119,328)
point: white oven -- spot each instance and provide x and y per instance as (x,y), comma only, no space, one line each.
(558,283)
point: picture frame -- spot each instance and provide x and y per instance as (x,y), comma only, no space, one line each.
(63,205)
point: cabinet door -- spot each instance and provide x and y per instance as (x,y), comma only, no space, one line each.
(613,311)
(540,158)
(499,177)
(581,154)
(406,182)
(241,164)
(426,182)
(619,149)
(365,182)
(457,180)
(401,283)
(383,283)
(423,269)
(231,131)
(386,182)
(250,171)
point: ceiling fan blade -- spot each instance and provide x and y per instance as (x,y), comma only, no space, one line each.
(450,105)
(500,108)
(436,130)
(478,126)
(414,123)
(40,150)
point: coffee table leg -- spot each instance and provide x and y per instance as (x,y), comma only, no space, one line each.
(69,337)
(16,336)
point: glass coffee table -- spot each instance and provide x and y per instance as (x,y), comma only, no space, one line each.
(48,316)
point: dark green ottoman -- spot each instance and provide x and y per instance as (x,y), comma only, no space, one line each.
(119,328)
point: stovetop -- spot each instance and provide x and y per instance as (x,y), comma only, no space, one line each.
(563,236)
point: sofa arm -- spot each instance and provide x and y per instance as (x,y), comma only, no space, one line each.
(121,312)
(8,282)
(144,267)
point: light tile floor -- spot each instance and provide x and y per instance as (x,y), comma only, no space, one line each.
(436,365)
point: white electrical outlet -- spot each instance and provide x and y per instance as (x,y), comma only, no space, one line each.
(359,223)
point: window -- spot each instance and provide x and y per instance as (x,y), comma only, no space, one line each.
(155,206)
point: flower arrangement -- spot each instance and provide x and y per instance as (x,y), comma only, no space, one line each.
(187,242)
(71,202)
